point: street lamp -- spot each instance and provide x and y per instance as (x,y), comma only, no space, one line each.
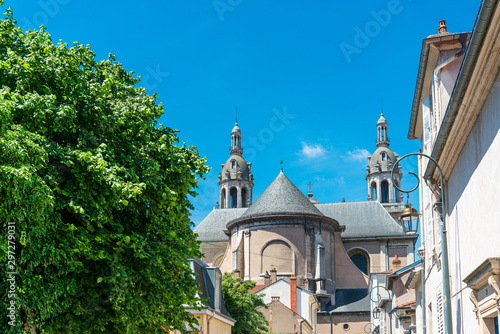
(440,206)
(376,313)
(409,219)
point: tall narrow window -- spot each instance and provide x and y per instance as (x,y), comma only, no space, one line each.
(233,193)
(384,189)
(374,191)
(244,197)
(223,199)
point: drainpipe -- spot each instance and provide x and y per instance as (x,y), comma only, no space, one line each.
(208,322)
(424,309)
(301,326)
(387,255)
(331,326)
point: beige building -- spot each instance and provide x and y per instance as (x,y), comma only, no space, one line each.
(328,248)
(456,115)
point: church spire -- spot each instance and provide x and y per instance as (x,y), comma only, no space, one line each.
(382,137)
(236,148)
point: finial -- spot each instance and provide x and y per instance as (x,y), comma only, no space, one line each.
(281,163)
(310,184)
(381,106)
(310,194)
(343,199)
(236,115)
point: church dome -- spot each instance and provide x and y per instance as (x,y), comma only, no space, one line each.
(282,196)
(236,128)
(382,160)
(235,168)
(382,119)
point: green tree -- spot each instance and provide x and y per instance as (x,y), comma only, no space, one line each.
(97,191)
(242,305)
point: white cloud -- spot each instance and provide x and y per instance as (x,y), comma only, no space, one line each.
(312,151)
(359,154)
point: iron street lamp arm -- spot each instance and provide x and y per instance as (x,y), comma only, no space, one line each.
(444,239)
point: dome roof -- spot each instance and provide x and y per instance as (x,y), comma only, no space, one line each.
(382,160)
(236,128)
(282,196)
(382,119)
(237,170)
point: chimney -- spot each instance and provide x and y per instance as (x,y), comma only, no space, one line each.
(293,293)
(396,262)
(237,273)
(442,27)
(267,279)
(274,275)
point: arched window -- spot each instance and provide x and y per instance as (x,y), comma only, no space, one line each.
(277,254)
(233,164)
(361,260)
(374,191)
(217,260)
(383,156)
(233,197)
(223,199)
(384,192)
(244,197)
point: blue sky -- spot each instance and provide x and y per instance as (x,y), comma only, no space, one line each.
(307,76)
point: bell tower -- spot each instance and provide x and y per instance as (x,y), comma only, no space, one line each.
(378,172)
(235,179)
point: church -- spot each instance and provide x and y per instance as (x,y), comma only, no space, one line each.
(310,260)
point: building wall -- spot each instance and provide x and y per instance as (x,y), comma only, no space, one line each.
(356,322)
(284,320)
(206,326)
(211,250)
(377,251)
(472,194)
(348,277)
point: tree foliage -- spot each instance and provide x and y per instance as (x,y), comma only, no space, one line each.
(242,305)
(97,190)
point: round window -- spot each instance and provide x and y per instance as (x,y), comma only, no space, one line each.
(346,327)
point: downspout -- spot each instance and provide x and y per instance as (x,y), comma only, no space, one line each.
(331,326)
(424,308)
(208,322)
(387,255)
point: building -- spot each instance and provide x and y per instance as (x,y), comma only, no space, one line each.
(213,316)
(326,249)
(456,115)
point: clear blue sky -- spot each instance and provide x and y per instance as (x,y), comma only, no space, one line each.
(305,59)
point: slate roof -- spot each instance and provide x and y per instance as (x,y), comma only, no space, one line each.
(213,226)
(362,218)
(350,301)
(206,278)
(282,196)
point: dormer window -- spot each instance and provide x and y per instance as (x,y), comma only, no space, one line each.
(383,156)
(233,164)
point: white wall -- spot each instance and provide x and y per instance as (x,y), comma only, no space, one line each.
(473,195)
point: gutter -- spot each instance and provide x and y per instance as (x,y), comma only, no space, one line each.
(478,33)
